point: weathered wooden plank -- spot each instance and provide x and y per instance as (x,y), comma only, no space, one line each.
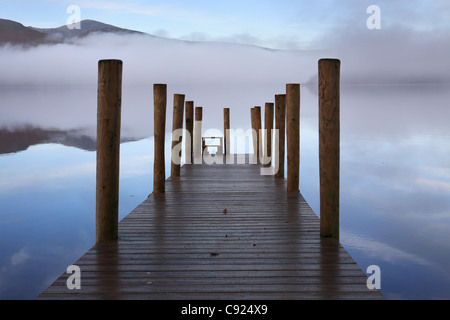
(300,275)
(226,296)
(195,287)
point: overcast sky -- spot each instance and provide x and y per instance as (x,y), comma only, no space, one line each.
(284,24)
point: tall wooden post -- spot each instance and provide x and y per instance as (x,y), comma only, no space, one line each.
(198,140)
(226,131)
(329,146)
(190,130)
(257,112)
(160,106)
(280,125)
(177,126)
(268,133)
(109,104)
(293,135)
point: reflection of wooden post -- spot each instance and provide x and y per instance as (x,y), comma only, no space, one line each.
(226,130)
(108,149)
(268,133)
(280,125)
(258,132)
(189,151)
(198,143)
(293,135)
(160,105)
(329,150)
(177,124)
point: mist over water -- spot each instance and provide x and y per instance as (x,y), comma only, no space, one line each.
(394,143)
(392,55)
(213,75)
(149,60)
(394,179)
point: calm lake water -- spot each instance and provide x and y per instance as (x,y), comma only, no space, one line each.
(395,176)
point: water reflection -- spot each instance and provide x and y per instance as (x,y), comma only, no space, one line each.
(395,196)
(395,204)
(395,176)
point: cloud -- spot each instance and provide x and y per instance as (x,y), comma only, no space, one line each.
(149,60)
(396,55)
(277,24)
(434,185)
(20,257)
(14,180)
(214,75)
(15,260)
(380,250)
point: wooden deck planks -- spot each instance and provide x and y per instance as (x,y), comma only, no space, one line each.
(181,245)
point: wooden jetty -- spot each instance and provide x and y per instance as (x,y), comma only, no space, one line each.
(220,231)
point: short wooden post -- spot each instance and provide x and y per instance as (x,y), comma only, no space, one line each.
(198,140)
(177,126)
(109,104)
(268,133)
(329,148)
(189,151)
(226,131)
(160,106)
(254,134)
(293,135)
(258,132)
(280,125)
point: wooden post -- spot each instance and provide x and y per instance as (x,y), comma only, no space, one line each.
(268,133)
(198,140)
(190,129)
(329,149)
(177,126)
(109,104)
(258,132)
(280,125)
(226,131)
(293,135)
(254,135)
(160,105)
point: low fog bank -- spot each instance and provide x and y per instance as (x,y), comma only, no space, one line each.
(393,55)
(75,108)
(54,87)
(372,57)
(149,60)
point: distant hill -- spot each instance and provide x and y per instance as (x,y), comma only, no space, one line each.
(19,139)
(17,34)
(86,27)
